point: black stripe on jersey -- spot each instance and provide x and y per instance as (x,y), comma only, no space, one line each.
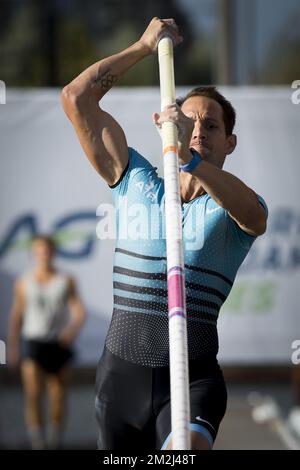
(138,255)
(141,289)
(187,266)
(202,303)
(150,305)
(208,290)
(209,271)
(163,292)
(192,314)
(138,303)
(139,274)
(163,277)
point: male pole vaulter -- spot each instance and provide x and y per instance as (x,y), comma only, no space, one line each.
(133,386)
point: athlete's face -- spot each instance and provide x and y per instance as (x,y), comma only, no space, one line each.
(209,136)
(42,252)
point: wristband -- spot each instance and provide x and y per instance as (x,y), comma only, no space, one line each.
(193,163)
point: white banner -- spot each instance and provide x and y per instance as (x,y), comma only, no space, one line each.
(48,185)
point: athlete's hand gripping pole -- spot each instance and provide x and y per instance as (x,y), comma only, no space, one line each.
(179,376)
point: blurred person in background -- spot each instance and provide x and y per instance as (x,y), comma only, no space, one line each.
(48,329)
(133,381)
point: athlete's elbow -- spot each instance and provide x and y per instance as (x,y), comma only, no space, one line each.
(261,227)
(71,99)
(261,218)
(257,221)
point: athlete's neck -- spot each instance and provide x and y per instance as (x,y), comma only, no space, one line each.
(44,272)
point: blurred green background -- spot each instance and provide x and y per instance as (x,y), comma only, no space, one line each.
(230,42)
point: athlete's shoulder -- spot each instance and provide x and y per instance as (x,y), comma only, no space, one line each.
(136,159)
(138,166)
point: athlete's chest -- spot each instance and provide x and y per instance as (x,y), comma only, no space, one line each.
(143,216)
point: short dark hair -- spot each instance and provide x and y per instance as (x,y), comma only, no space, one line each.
(47,239)
(229,114)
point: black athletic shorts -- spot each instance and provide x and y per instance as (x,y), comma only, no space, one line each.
(133,402)
(50,356)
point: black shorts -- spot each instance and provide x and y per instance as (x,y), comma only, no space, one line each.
(133,402)
(50,356)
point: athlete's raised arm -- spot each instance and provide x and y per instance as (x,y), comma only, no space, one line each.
(101,137)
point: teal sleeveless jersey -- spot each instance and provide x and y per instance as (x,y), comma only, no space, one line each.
(214,248)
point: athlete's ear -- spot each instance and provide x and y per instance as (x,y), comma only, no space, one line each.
(231,143)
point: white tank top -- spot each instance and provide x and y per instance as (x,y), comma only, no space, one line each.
(45,313)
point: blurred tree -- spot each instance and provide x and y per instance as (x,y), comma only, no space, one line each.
(47,43)
(117,24)
(282,62)
(5,17)
(199,63)
(21,56)
(76,49)
(145,72)
(282,67)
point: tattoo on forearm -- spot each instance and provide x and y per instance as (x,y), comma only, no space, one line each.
(106,79)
